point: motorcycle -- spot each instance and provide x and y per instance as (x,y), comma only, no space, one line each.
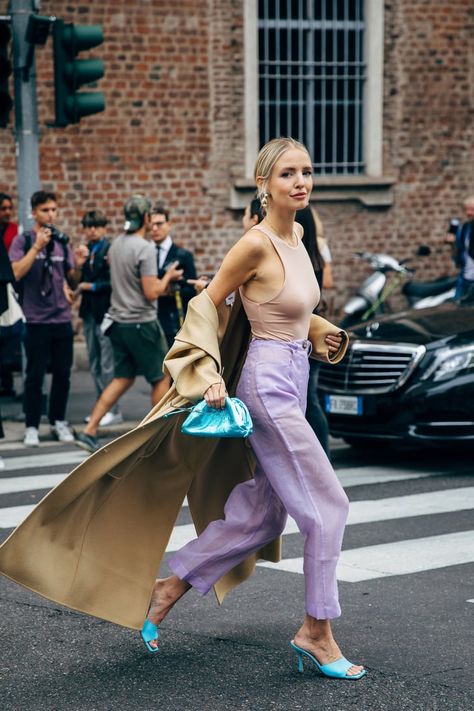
(371,296)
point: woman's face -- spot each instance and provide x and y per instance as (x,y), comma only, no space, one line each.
(291,180)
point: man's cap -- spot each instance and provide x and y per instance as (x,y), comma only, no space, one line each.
(135,210)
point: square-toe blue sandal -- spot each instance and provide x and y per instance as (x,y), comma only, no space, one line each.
(149,633)
(334,670)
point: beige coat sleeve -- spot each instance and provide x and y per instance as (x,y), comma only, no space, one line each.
(319,328)
(194,361)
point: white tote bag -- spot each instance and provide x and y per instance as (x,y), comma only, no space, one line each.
(14,312)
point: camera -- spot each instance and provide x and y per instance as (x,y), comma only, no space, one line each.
(453,226)
(57,235)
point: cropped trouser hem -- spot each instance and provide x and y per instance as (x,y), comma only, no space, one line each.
(198,583)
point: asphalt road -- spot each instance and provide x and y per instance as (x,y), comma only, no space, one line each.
(406,586)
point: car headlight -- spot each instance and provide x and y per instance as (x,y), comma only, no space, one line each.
(450,361)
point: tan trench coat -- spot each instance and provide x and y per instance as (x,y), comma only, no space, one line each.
(95,542)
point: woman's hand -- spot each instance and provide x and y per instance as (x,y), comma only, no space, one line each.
(333,342)
(215,396)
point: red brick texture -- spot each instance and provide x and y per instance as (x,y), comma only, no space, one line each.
(173,127)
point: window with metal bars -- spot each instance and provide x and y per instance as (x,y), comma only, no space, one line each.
(311,75)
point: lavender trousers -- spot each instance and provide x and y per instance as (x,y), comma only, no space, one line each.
(293,476)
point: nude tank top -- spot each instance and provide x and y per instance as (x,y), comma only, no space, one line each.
(286,316)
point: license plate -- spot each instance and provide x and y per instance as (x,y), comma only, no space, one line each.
(343,404)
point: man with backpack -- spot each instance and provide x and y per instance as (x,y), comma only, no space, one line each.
(43,263)
(95,291)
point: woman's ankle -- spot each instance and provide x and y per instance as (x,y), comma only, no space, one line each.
(315,629)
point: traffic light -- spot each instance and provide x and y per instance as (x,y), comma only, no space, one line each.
(71,73)
(6,101)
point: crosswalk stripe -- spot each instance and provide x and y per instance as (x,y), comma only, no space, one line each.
(358,476)
(400,558)
(13,515)
(427,503)
(433,502)
(38,461)
(12,485)
(369,511)
(349,477)
(8,485)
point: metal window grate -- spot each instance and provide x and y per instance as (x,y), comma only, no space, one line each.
(311,74)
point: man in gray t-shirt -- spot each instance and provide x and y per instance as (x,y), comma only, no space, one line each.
(131,257)
(138,342)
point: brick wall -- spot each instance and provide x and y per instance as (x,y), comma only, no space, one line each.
(428,140)
(173,127)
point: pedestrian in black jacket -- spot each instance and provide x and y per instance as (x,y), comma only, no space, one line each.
(95,290)
(172,306)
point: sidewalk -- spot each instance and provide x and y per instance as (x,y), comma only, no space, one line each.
(134,405)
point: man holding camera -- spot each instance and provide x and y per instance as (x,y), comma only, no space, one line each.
(172,305)
(44,264)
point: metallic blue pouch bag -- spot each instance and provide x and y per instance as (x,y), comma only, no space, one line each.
(233,421)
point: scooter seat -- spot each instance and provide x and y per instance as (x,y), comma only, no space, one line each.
(428,288)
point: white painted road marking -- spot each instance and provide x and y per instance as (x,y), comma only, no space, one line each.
(396,507)
(38,461)
(355,565)
(357,476)
(14,484)
(400,558)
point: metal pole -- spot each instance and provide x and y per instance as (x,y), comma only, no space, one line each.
(26,112)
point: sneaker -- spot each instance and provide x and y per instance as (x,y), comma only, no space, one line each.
(61,431)
(87,442)
(111,419)
(31,438)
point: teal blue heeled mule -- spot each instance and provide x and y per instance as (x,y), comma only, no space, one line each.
(335,670)
(149,633)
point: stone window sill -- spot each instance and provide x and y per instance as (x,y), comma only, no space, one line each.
(371,192)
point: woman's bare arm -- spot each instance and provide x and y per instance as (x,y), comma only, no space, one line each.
(239,266)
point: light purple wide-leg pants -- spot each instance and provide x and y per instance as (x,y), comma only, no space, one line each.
(293,476)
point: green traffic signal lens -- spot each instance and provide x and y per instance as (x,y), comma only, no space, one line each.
(83,36)
(83,71)
(84,103)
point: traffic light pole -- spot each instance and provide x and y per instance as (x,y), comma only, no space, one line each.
(26,112)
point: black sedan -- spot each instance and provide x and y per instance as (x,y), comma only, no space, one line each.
(407,377)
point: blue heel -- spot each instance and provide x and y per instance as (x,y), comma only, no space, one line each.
(149,633)
(334,670)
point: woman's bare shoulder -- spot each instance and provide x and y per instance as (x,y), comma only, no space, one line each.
(299,229)
(254,241)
